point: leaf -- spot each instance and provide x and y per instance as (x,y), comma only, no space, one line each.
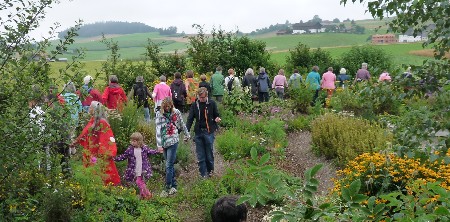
(359,198)
(264,159)
(254,153)
(316,169)
(346,194)
(324,206)
(442,211)
(354,187)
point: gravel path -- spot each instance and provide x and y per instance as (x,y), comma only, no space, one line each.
(299,158)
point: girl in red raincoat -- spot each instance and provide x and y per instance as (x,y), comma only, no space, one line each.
(98,141)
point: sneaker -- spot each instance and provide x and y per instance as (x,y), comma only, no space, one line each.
(164,194)
(172,191)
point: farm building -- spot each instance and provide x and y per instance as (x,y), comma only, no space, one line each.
(384,39)
(408,36)
(307,27)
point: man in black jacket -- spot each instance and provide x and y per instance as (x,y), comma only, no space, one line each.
(205,112)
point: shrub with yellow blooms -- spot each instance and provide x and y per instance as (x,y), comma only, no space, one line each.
(383,173)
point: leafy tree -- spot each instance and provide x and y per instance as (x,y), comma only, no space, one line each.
(336,20)
(226,49)
(303,58)
(316,19)
(25,77)
(376,58)
(416,15)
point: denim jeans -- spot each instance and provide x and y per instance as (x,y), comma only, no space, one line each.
(170,155)
(280,92)
(263,97)
(204,142)
(147,114)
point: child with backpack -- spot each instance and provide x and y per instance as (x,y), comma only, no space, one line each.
(138,167)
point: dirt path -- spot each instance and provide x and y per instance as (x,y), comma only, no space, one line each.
(299,157)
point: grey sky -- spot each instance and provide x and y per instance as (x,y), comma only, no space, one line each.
(245,15)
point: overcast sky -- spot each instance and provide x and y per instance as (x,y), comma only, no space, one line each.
(230,15)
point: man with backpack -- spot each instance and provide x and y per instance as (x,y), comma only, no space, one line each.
(263,85)
(178,92)
(295,80)
(231,82)
(140,95)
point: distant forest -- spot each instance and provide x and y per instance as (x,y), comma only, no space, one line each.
(111,27)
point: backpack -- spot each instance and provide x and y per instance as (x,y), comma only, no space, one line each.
(263,85)
(177,95)
(296,80)
(230,84)
(140,93)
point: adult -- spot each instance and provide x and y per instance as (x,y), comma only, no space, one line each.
(205,112)
(98,141)
(216,82)
(313,82)
(407,73)
(114,96)
(328,80)
(384,77)
(89,93)
(205,84)
(73,103)
(295,80)
(279,83)
(251,82)
(362,74)
(168,120)
(231,81)
(225,209)
(140,95)
(160,92)
(191,85)
(179,93)
(343,78)
(263,85)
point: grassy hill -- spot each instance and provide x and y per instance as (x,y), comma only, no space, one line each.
(132,46)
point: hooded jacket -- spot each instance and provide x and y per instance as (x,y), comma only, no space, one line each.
(210,112)
(113,96)
(262,77)
(217,81)
(179,83)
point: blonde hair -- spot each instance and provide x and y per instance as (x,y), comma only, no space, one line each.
(201,91)
(137,136)
(167,102)
(203,77)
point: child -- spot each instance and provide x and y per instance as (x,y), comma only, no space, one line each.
(138,168)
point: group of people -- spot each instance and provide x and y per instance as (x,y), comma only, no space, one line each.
(98,140)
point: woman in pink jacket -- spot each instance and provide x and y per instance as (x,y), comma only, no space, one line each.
(328,80)
(279,83)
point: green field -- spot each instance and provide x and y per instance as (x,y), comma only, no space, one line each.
(285,42)
(132,46)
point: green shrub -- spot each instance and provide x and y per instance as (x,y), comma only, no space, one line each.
(344,138)
(124,124)
(346,100)
(234,144)
(239,101)
(184,154)
(148,130)
(228,118)
(259,181)
(300,123)
(301,97)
